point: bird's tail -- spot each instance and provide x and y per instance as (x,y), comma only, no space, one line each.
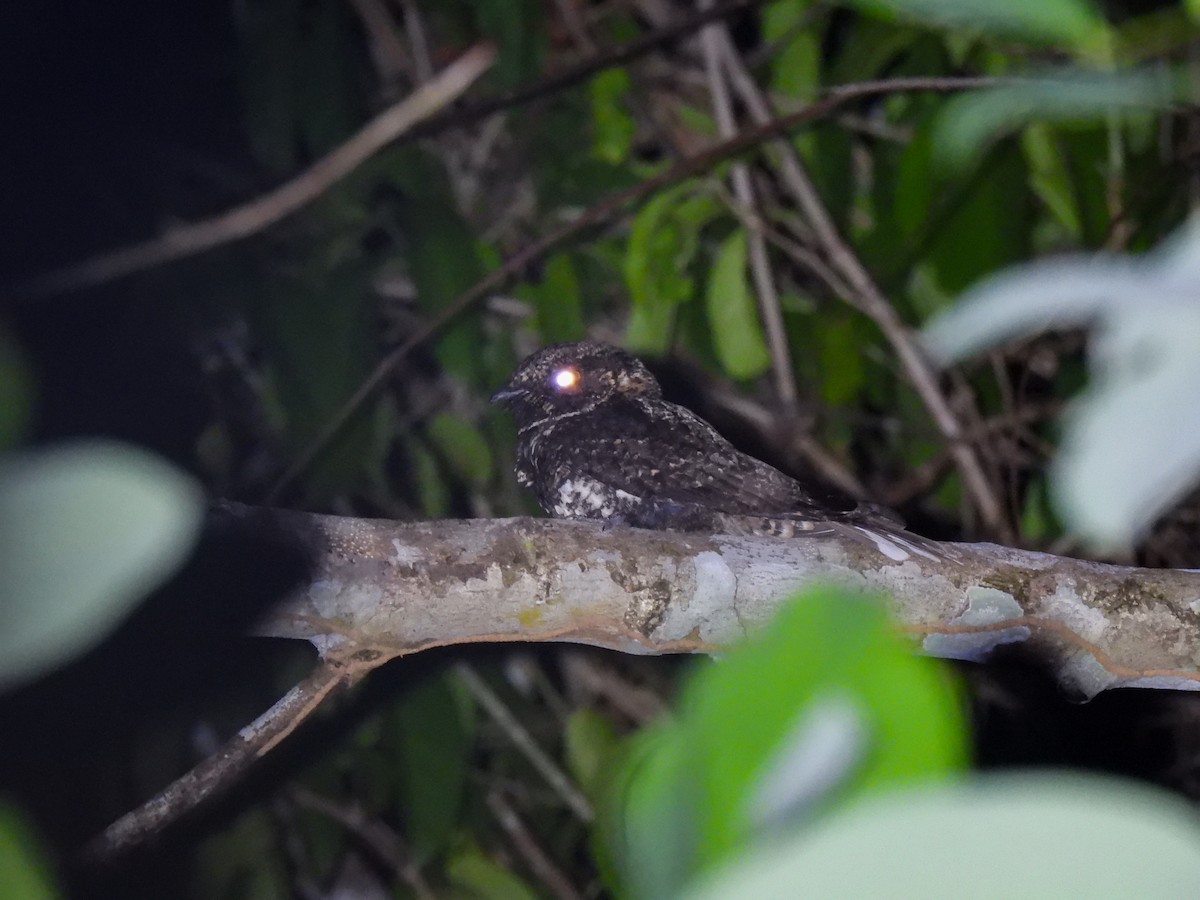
(890,539)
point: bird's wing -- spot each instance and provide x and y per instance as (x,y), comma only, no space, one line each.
(667,453)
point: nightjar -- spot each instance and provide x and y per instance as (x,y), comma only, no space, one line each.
(597,441)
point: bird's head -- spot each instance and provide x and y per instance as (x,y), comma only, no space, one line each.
(574,377)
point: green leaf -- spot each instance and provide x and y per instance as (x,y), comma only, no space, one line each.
(648,831)
(24,874)
(796,67)
(591,745)
(1075,836)
(986,227)
(840,703)
(1038,522)
(479,878)
(732,314)
(655,273)
(1050,177)
(433,495)
(842,368)
(969,121)
(558,301)
(443,259)
(464,446)
(1073,23)
(87,530)
(436,725)
(613,128)
(1127,452)
(824,705)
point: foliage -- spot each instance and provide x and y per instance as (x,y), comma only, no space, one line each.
(86,532)
(1072,137)
(1144,370)
(1022,835)
(24,874)
(825,707)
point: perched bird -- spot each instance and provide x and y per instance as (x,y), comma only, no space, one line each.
(597,441)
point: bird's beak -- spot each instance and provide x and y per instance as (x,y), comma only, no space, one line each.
(505,394)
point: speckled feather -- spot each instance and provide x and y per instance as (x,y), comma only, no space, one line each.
(597,441)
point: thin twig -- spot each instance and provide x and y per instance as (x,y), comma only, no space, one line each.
(871,299)
(571,795)
(756,246)
(250,218)
(228,764)
(386,844)
(527,846)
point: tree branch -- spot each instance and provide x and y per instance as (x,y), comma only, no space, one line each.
(382,589)
(399,588)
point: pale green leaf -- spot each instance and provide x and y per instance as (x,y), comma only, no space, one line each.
(87,530)
(1130,447)
(1000,836)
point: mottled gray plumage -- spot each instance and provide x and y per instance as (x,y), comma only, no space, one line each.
(597,441)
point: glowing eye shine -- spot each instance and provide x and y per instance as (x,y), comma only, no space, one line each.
(565,379)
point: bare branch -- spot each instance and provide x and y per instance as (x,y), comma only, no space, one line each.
(226,766)
(403,587)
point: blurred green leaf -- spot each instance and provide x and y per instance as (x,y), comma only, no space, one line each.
(1050,177)
(613,128)
(796,66)
(733,314)
(435,728)
(87,530)
(433,494)
(987,226)
(1075,836)
(1073,23)
(24,874)
(840,703)
(647,835)
(971,120)
(476,877)
(662,243)
(1038,522)
(1127,452)
(558,301)
(591,746)
(443,259)
(825,704)
(16,392)
(463,445)
(842,366)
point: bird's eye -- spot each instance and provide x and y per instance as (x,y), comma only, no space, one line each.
(565,379)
